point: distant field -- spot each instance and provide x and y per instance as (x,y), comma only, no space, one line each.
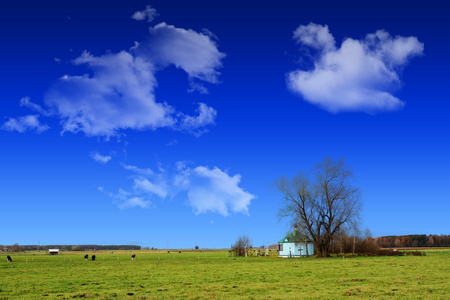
(212,274)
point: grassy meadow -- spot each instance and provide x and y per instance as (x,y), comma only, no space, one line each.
(214,275)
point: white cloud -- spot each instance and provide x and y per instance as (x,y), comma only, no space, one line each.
(100,158)
(25,102)
(142,191)
(125,200)
(395,51)
(206,116)
(119,92)
(195,53)
(148,13)
(213,190)
(25,123)
(210,34)
(359,76)
(206,189)
(315,36)
(119,95)
(134,202)
(145,172)
(144,185)
(197,87)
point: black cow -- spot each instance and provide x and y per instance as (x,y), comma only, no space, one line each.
(133,256)
(93,257)
(9,258)
(86,257)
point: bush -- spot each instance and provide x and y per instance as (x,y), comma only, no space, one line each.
(357,245)
(365,247)
(241,245)
(416,253)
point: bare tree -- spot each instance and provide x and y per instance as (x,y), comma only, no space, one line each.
(16,248)
(321,204)
(241,246)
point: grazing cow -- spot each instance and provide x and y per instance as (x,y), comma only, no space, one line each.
(86,257)
(133,256)
(93,257)
(9,258)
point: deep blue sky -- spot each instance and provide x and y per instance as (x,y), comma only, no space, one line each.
(206,188)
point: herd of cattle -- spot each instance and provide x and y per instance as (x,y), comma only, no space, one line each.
(86,257)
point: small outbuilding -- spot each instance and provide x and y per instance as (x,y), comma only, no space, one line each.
(53,251)
(295,244)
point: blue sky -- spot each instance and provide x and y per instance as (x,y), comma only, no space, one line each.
(166,123)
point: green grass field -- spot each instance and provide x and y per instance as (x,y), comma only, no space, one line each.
(214,275)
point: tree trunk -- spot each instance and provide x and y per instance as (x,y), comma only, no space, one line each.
(354,244)
(322,251)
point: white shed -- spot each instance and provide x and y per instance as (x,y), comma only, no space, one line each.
(53,251)
(295,244)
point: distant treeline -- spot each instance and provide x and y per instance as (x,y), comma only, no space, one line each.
(72,247)
(413,240)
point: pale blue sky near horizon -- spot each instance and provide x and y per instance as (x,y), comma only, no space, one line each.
(166,123)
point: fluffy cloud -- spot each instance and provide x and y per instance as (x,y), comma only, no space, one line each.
(194,52)
(359,76)
(206,116)
(213,190)
(100,158)
(119,93)
(315,36)
(25,123)
(148,13)
(207,189)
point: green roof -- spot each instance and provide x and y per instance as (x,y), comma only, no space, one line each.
(293,237)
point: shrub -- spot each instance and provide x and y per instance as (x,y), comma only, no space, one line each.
(365,247)
(241,245)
